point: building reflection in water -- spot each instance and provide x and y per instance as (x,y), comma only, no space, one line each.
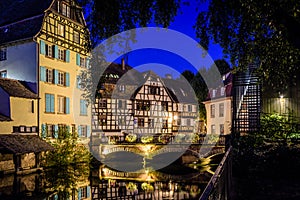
(173,182)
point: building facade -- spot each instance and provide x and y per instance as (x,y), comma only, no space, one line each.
(219,108)
(48,44)
(142,104)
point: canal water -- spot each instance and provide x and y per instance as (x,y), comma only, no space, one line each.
(102,181)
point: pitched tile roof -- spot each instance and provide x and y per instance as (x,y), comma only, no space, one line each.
(20,144)
(16,89)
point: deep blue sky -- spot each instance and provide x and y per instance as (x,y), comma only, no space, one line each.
(183,23)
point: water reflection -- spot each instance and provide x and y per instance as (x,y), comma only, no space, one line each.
(176,181)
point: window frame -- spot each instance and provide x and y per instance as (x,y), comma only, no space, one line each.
(3,53)
(61,104)
(61,30)
(3,74)
(212,110)
(61,78)
(221,110)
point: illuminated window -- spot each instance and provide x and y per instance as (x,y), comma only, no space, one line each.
(102,119)
(61,30)
(65,10)
(164,106)
(151,123)
(3,54)
(165,124)
(213,129)
(3,74)
(76,37)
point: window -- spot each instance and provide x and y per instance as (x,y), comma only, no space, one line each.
(61,78)
(83,131)
(49,75)
(189,108)
(76,37)
(143,105)
(154,90)
(49,50)
(3,74)
(165,124)
(82,62)
(65,10)
(83,107)
(151,123)
(212,110)
(3,53)
(121,121)
(50,130)
(122,104)
(222,91)
(221,129)
(164,106)
(82,193)
(188,122)
(49,103)
(102,103)
(213,129)
(141,122)
(102,120)
(61,102)
(214,92)
(62,54)
(121,88)
(61,30)
(221,110)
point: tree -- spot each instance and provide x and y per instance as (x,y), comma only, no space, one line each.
(255,30)
(106,18)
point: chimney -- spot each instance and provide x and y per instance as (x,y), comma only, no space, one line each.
(123,64)
(168,76)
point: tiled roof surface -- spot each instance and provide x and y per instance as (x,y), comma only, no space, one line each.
(16,89)
(20,144)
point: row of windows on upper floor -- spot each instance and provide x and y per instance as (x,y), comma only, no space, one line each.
(54,76)
(213,110)
(63,105)
(57,130)
(53,51)
(144,105)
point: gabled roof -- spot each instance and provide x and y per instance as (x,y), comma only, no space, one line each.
(24,29)
(15,89)
(16,10)
(21,144)
(227,88)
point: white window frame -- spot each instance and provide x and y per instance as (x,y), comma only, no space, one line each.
(49,75)
(61,54)
(76,37)
(61,78)
(61,30)
(61,104)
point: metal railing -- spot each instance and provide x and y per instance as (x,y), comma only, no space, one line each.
(219,186)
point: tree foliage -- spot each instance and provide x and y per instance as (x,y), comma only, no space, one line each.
(109,17)
(251,30)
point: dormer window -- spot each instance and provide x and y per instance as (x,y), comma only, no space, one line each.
(222,91)
(65,10)
(214,92)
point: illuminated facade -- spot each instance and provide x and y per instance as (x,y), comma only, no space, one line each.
(219,108)
(48,45)
(142,104)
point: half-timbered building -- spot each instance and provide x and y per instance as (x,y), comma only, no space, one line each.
(142,104)
(47,43)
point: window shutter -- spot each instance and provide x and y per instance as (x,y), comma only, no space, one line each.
(77,59)
(42,47)
(79,131)
(55,76)
(44,131)
(48,103)
(56,131)
(67,105)
(78,82)
(88,191)
(67,79)
(81,106)
(56,51)
(79,194)
(52,103)
(67,55)
(42,73)
(88,63)
(88,132)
